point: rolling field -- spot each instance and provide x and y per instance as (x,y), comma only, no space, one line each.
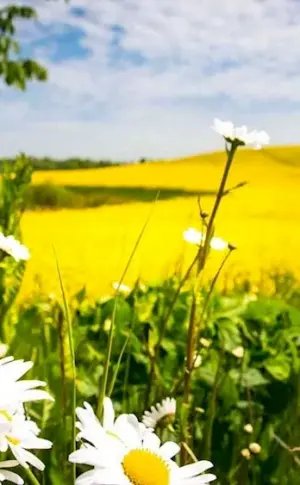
(93,245)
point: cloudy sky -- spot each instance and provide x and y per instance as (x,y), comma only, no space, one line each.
(133,78)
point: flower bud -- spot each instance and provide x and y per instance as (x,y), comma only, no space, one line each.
(255,448)
(238,352)
(205,342)
(248,428)
(246,453)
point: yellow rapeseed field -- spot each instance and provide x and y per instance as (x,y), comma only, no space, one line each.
(262,219)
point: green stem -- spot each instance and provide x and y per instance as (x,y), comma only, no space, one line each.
(212,410)
(73,365)
(201,261)
(31,476)
(203,250)
(114,377)
(205,305)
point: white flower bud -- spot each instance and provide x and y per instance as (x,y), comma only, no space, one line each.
(255,448)
(248,428)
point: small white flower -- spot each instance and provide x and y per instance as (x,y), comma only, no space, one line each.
(7,474)
(238,352)
(205,342)
(17,391)
(255,448)
(193,236)
(121,288)
(248,428)
(246,453)
(240,134)
(218,244)
(14,248)
(136,457)
(165,409)
(20,434)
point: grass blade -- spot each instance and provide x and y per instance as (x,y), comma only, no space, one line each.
(72,352)
(103,385)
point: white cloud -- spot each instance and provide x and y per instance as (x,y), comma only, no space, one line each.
(201,58)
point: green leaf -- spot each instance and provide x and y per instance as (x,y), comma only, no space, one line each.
(279,367)
(250,378)
(229,334)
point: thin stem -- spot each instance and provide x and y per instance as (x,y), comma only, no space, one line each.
(173,301)
(286,447)
(61,339)
(73,365)
(189,451)
(190,351)
(202,252)
(212,410)
(103,384)
(115,374)
(31,476)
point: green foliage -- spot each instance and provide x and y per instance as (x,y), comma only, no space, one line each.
(52,196)
(14,70)
(262,388)
(16,178)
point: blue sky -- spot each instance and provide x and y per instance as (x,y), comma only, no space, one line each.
(145,78)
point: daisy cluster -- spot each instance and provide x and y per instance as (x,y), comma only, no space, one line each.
(18,433)
(125,451)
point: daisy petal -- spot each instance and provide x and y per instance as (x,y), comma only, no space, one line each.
(168,450)
(199,480)
(9,464)
(108,413)
(12,477)
(194,469)
(151,441)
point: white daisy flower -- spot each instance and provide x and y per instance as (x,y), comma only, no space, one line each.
(160,413)
(193,236)
(20,434)
(121,288)
(136,457)
(7,474)
(88,420)
(14,248)
(240,134)
(15,390)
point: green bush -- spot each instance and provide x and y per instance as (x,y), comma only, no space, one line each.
(49,195)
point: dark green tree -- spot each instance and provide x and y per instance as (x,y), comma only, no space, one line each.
(14,70)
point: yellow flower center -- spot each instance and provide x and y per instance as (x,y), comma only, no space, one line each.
(13,441)
(143,467)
